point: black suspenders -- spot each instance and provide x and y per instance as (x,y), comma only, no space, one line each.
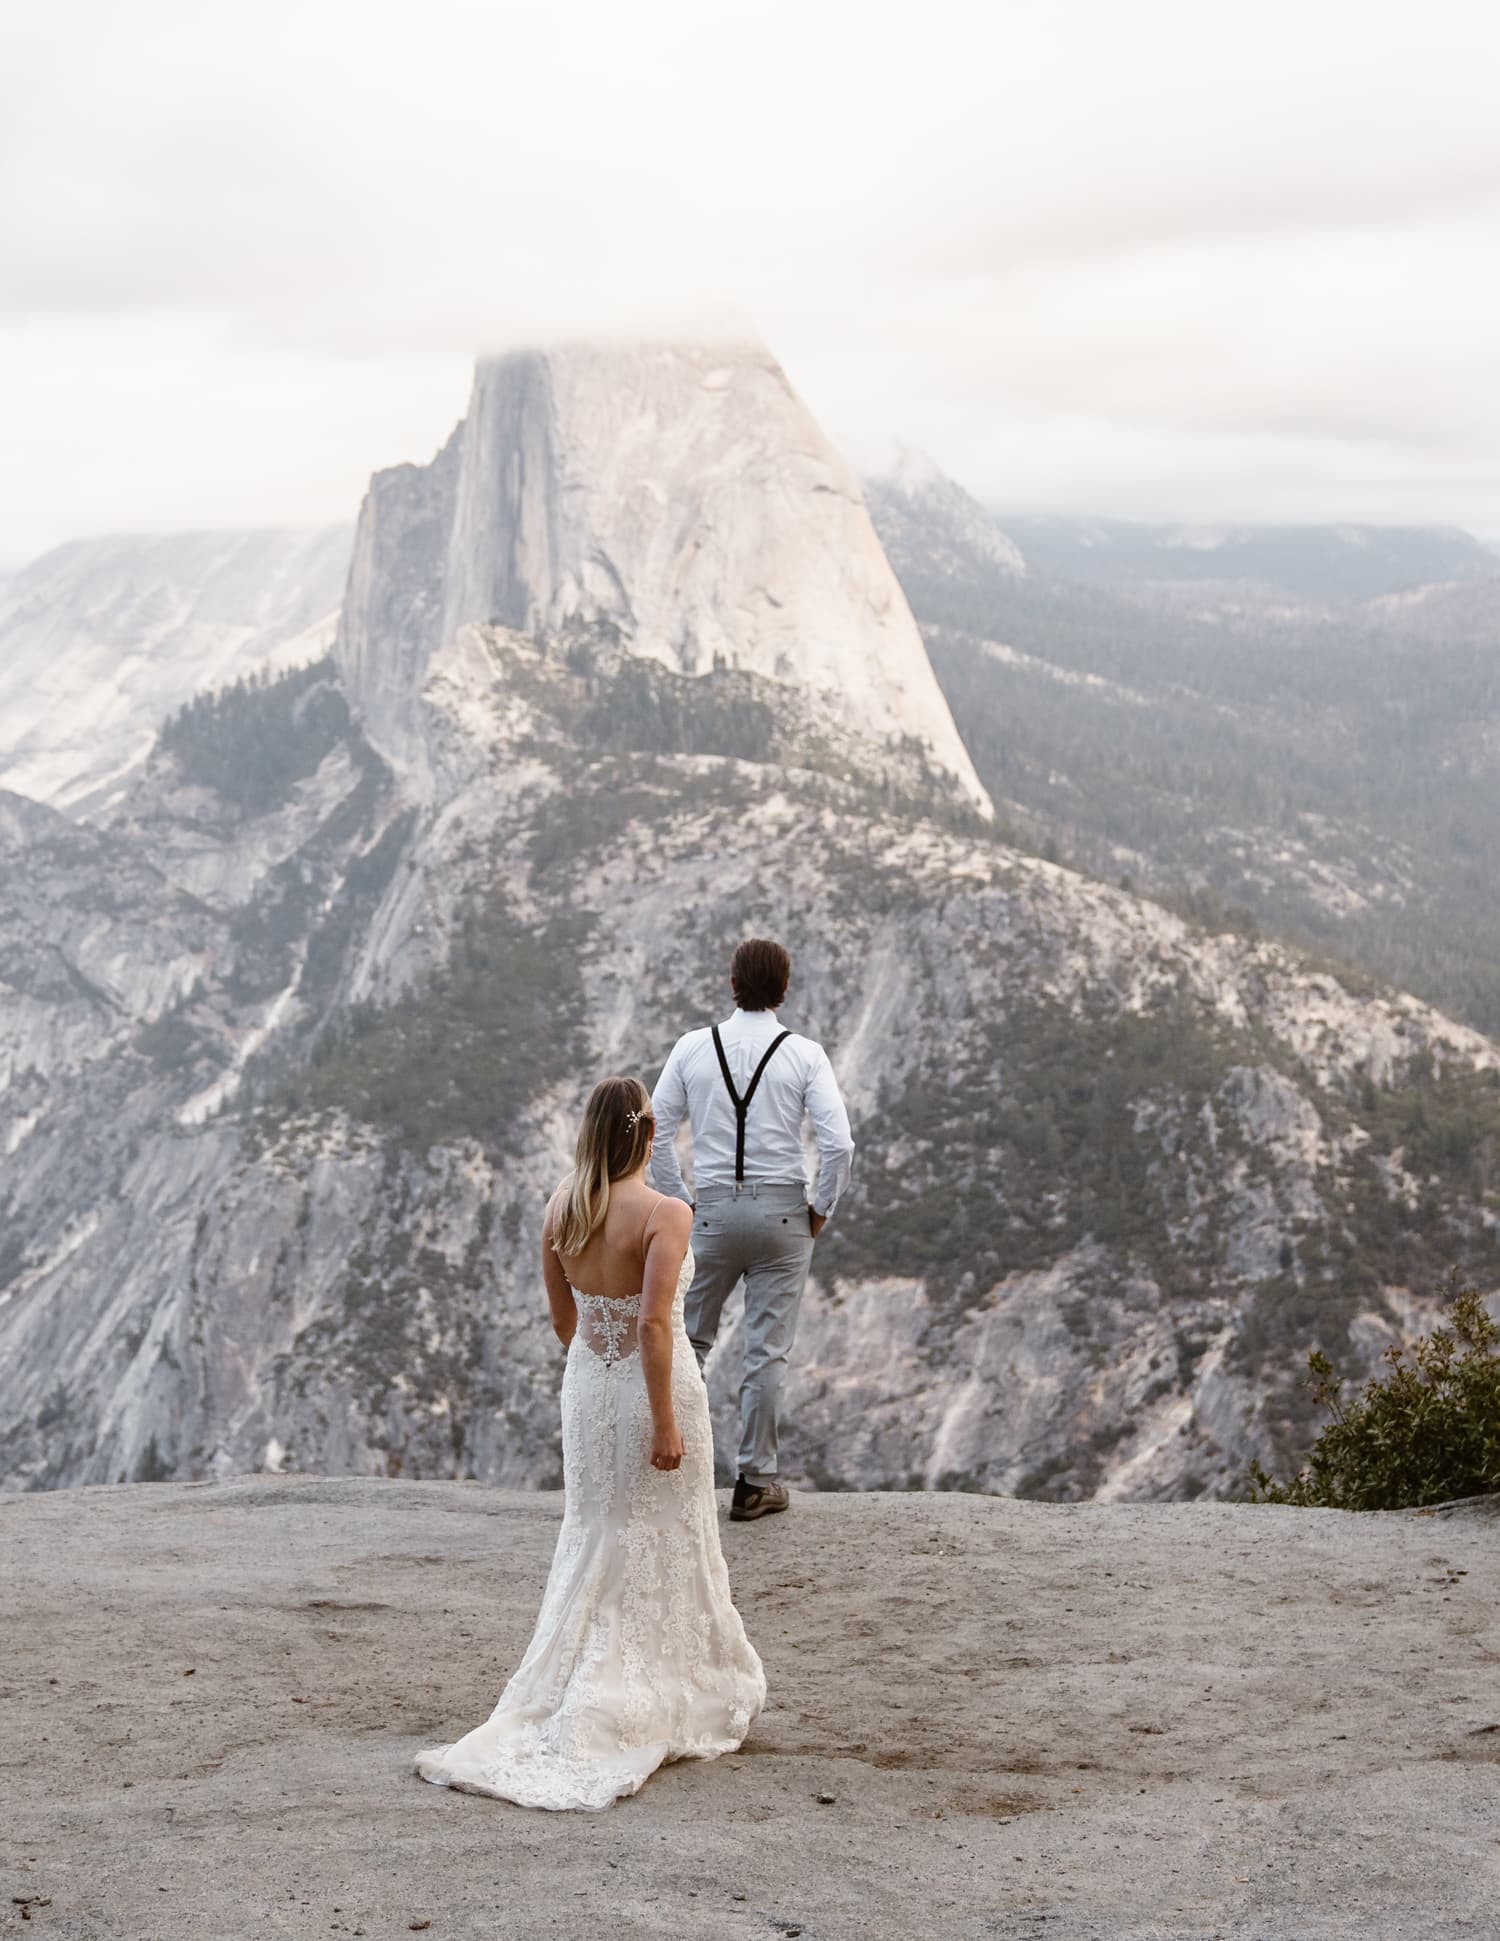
(742,1105)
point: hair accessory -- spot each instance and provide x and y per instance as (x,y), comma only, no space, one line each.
(632,1119)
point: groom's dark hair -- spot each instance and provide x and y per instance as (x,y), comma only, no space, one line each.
(760,972)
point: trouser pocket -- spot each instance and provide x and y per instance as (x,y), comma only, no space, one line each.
(787,1225)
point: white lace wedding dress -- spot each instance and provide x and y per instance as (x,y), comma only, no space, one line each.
(639,1655)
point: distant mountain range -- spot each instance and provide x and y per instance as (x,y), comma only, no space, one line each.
(1329,564)
(101,639)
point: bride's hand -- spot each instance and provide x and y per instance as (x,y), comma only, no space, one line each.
(666,1447)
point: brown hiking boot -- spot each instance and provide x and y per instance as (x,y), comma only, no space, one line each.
(757,1499)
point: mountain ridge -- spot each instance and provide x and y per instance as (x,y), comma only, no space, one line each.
(1091,1140)
(101,639)
(1320,561)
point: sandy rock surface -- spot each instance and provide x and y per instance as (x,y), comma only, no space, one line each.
(987,1718)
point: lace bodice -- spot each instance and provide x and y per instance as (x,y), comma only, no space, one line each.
(608,1324)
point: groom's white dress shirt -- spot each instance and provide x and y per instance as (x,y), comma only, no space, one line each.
(799,1080)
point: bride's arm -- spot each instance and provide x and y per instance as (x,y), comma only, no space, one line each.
(559,1294)
(667,1234)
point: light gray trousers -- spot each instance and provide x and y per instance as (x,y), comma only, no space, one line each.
(760,1234)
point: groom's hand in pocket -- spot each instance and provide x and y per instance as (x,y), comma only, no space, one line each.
(817,1222)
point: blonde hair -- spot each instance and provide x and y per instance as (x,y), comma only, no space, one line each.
(612,1141)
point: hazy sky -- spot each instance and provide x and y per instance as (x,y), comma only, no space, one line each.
(1215,261)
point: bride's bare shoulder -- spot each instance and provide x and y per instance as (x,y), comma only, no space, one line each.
(554,1204)
(672,1218)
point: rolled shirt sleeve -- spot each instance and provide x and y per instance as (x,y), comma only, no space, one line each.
(669,1104)
(830,1120)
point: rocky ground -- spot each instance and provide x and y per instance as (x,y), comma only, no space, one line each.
(988,1717)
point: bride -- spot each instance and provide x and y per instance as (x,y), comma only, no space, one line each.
(639,1655)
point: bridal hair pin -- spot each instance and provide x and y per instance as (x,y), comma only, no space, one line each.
(632,1119)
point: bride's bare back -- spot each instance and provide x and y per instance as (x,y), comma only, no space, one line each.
(613,1264)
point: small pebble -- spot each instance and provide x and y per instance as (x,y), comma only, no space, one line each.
(823,1799)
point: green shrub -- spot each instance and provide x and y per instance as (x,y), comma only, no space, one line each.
(1426,1432)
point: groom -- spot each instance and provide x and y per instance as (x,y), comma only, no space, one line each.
(746,1084)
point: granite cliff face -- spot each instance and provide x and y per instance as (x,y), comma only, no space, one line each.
(294,1037)
(680,501)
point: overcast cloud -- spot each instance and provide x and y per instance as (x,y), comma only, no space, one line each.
(1210,260)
